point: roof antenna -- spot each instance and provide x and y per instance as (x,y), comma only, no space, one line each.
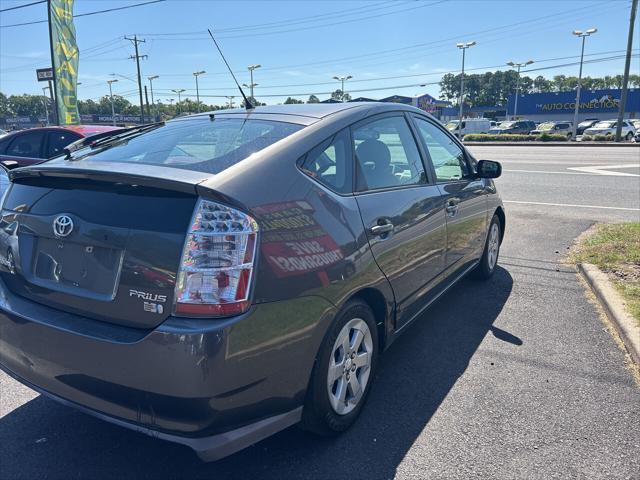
(247,104)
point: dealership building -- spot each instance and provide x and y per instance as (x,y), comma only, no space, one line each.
(556,106)
(601,104)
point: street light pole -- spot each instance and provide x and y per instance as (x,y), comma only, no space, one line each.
(230,98)
(151,79)
(518,66)
(463,47)
(251,69)
(197,74)
(583,35)
(179,91)
(342,79)
(113,112)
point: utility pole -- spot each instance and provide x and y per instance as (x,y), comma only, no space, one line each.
(518,66)
(146,100)
(44,101)
(463,47)
(54,105)
(137,58)
(151,79)
(583,35)
(197,74)
(113,112)
(230,98)
(627,65)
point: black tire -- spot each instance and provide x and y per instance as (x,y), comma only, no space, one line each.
(486,268)
(318,415)
(629,136)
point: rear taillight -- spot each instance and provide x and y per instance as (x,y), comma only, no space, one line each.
(217,262)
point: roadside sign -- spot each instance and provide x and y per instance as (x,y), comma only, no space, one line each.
(44,74)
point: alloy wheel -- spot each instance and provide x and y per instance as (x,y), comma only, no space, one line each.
(494,245)
(349,366)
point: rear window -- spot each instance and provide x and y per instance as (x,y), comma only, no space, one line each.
(201,144)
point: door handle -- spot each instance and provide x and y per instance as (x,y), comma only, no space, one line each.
(382,229)
(452,206)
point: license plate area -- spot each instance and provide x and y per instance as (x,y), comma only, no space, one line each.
(77,268)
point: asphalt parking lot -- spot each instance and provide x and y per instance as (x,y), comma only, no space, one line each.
(514,378)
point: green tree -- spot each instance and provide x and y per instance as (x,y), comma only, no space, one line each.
(253,101)
(292,101)
(313,99)
(541,84)
(340,96)
(26,105)
(5,110)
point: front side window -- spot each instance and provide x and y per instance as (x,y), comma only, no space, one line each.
(331,163)
(199,144)
(387,155)
(447,157)
(26,145)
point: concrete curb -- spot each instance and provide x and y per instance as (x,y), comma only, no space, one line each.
(554,144)
(613,305)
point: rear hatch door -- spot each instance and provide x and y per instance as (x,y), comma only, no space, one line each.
(103,241)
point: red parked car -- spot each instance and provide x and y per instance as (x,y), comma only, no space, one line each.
(27,147)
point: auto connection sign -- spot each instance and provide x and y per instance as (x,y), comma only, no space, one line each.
(591,101)
(64,55)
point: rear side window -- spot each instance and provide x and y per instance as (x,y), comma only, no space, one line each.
(58,140)
(331,163)
(26,145)
(387,155)
(200,144)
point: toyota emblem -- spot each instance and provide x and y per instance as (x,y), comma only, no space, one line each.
(62,226)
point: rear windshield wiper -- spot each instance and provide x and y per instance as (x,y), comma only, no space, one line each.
(107,138)
(130,132)
(86,141)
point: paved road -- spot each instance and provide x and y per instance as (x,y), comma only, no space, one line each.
(513,378)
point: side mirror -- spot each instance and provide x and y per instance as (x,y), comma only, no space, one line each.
(488,169)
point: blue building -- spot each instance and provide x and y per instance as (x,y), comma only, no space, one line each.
(601,104)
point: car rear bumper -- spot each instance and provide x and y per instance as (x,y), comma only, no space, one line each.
(209,384)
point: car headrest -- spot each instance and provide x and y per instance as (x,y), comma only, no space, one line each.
(374,151)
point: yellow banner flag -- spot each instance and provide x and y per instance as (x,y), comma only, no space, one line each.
(64,55)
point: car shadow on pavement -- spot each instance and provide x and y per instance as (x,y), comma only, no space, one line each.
(44,439)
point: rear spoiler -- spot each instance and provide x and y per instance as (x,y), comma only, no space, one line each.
(168,178)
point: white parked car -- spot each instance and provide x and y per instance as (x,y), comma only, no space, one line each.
(469,125)
(608,127)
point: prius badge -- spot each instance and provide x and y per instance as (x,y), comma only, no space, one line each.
(62,226)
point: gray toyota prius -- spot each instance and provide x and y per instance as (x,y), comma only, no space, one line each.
(217,278)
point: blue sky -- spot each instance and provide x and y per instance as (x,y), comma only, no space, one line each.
(301,45)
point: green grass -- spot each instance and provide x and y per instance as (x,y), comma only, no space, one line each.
(616,250)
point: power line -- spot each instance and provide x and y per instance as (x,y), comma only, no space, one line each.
(421,84)
(291,21)
(87,14)
(394,51)
(413,75)
(331,24)
(23,6)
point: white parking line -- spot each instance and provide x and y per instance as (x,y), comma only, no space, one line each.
(605,170)
(627,209)
(549,171)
